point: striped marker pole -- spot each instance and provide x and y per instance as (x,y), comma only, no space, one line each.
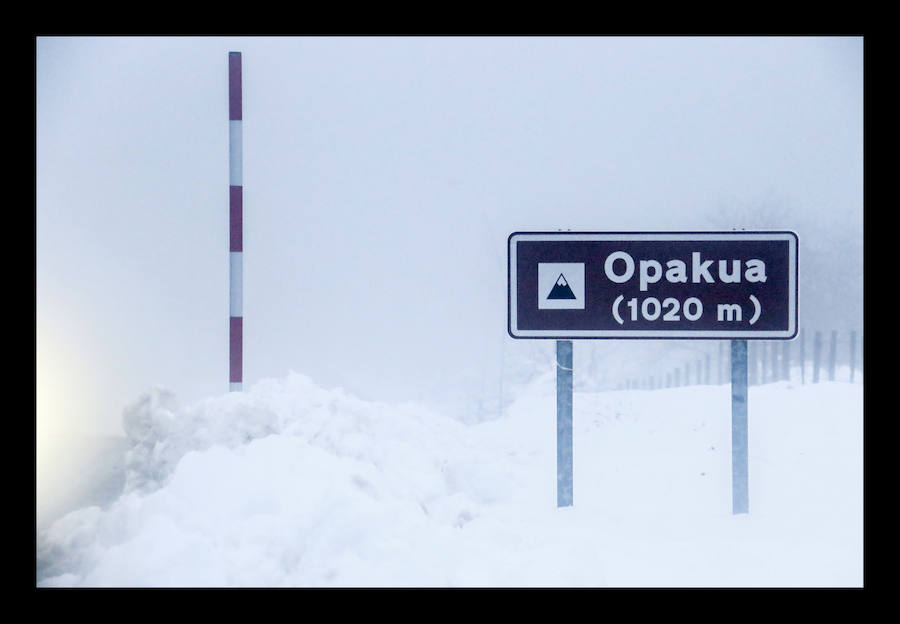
(236,225)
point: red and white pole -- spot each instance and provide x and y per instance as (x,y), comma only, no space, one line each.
(236,226)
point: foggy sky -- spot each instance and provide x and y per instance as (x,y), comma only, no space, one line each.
(381,178)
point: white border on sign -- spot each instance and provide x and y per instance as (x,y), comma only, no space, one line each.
(724,334)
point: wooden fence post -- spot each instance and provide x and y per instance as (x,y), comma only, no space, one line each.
(786,360)
(832,355)
(773,359)
(817,351)
(802,357)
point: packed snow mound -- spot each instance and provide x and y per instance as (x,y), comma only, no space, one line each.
(281,473)
(161,434)
(290,484)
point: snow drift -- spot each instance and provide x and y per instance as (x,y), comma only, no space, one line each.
(289,484)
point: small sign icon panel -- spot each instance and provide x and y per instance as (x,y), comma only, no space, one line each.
(560,286)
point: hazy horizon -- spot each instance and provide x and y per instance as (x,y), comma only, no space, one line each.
(382,177)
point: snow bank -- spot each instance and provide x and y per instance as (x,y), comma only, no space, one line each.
(279,474)
(290,484)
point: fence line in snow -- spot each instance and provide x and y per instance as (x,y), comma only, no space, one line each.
(769,361)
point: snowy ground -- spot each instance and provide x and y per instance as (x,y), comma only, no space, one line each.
(289,484)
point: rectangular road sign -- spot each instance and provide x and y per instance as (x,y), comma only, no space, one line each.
(707,285)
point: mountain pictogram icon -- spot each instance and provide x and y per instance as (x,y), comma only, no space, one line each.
(561,289)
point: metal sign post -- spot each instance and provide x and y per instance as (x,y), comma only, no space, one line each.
(563,423)
(740,491)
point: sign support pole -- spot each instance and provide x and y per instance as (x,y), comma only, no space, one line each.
(563,423)
(739,465)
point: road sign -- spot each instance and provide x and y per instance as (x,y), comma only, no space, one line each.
(708,285)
